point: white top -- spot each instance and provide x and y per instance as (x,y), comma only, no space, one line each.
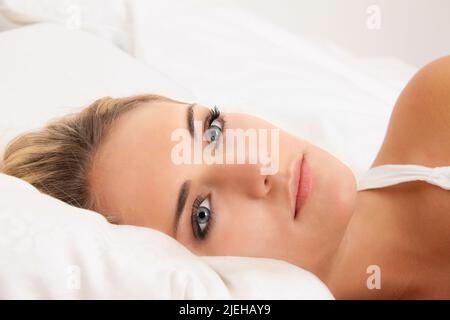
(391,174)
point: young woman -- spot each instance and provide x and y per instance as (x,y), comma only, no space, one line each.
(114,157)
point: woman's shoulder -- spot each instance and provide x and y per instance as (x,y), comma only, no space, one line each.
(419,133)
(419,127)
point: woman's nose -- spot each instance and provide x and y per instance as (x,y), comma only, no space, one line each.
(244,178)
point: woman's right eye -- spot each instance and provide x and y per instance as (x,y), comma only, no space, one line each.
(214,131)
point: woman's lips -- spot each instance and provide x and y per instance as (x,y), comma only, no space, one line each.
(301,183)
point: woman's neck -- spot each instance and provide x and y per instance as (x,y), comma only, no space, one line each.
(373,259)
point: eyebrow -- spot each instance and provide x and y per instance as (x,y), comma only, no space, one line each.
(181,202)
(190,119)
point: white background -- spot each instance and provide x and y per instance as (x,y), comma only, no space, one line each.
(416,31)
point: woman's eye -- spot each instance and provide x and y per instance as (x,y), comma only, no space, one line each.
(214,131)
(201,218)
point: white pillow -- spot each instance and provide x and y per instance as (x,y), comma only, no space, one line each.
(49,249)
(106,18)
(48,71)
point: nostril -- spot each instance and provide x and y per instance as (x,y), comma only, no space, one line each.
(267,185)
(266,181)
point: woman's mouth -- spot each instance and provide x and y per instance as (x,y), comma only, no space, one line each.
(301,183)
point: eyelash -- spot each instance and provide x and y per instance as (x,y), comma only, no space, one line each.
(214,114)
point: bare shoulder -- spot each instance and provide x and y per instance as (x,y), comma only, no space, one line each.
(419,133)
(419,127)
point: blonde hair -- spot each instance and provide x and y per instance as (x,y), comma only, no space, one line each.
(57,158)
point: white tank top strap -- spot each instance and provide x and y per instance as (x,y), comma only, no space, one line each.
(391,174)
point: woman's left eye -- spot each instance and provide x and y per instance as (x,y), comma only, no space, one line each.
(214,131)
(201,217)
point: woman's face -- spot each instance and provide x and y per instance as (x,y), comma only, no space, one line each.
(224,209)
